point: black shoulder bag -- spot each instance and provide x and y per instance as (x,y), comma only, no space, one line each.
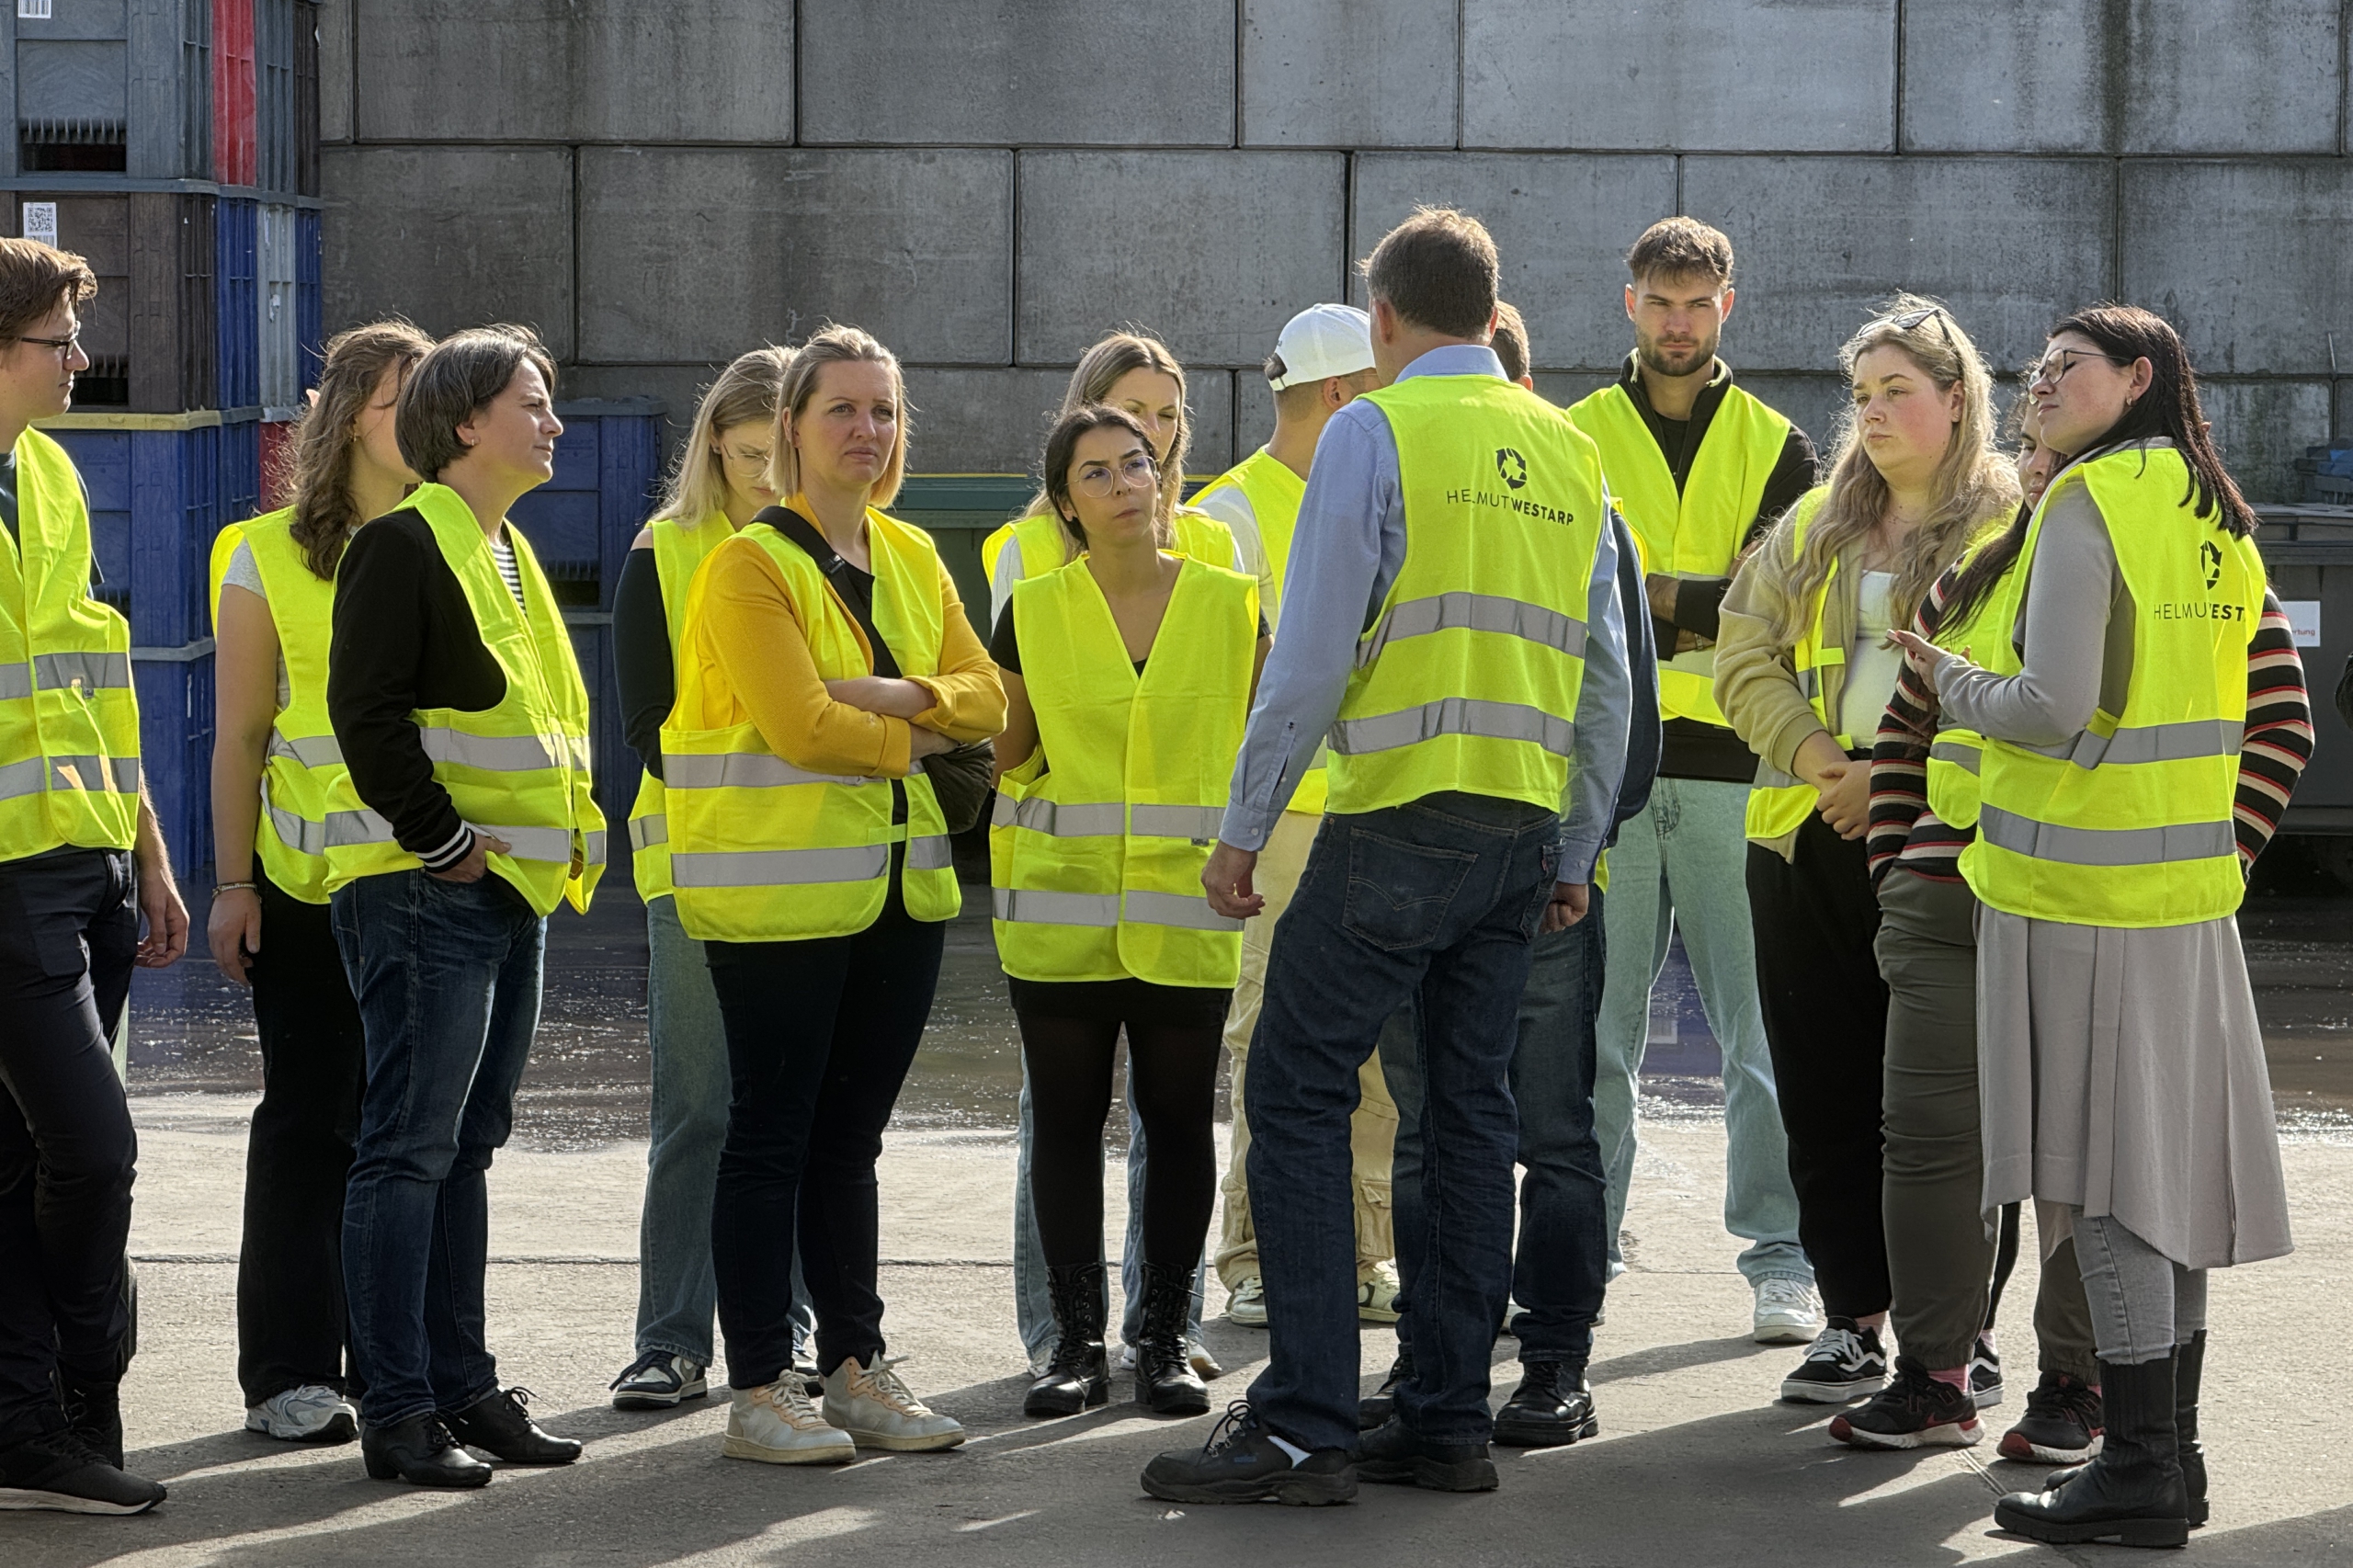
(960,776)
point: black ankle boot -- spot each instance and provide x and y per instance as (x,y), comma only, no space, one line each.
(500,1423)
(1079,1377)
(2132,1492)
(1165,1378)
(420,1451)
(94,1413)
(2188,1371)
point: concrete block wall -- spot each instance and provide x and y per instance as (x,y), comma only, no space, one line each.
(991,186)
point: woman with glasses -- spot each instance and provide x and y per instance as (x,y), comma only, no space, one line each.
(1804,671)
(1128,674)
(2123,1074)
(721,484)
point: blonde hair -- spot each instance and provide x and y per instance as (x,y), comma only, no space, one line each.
(1973,483)
(1099,369)
(832,345)
(355,360)
(744,394)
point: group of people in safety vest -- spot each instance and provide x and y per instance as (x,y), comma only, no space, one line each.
(1949,758)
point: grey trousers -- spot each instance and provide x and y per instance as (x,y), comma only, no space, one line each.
(2142,1302)
(1940,1255)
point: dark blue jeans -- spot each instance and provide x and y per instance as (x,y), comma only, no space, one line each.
(446,975)
(1436,902)
(1561,1266)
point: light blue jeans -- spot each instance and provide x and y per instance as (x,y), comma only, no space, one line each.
(677,1293)
(1033,1300)
(1684,862)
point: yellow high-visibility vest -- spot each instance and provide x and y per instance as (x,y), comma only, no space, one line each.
(69,718)
(1274,492)
(1097,847)
(1470,676)
(762,851)
(2129,823)
(1045,544)
(1694,533)
(1984,637)
(517,772)
(679,550)
(303,761)
(1778,803)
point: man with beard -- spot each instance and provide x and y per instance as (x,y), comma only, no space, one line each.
(1700,469)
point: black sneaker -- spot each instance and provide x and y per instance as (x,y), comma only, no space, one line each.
(1244,1462)
(2062,1424)
(1845,1361)
(1395,1457)
(1552,1407)
(1985,1374)
(59,1471)
(1375,1408)
(659,1379)
(1915,1410)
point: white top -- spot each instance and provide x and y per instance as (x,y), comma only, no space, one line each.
(245,572)
(1872,667)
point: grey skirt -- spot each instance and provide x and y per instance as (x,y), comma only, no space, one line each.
(2121,1072)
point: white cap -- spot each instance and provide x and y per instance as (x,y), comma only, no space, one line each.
(1324,340)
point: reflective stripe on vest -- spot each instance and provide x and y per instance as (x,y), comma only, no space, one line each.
(1955,754)
(1099,836)
(1470,675)
(678,550)
(1693,533)
(759,850)
(69,713)
(2129,822)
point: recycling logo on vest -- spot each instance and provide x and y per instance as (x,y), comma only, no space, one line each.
(2210,555)
(1511,468)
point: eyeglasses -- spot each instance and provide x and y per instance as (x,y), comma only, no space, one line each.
(2064,360)
(63,345)
(757,457)
(1097,480)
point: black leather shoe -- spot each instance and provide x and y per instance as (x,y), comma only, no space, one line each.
(1550,1407)
(420,1451)
(2189,1372)
(1376,1408)
(1392,1456)
(2132,1494)
(93,1414)
(1165,1380)
(500,1426)
(1243,1463)
(1079,1377)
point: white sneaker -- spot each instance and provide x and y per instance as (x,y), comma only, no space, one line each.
(1246,1303)
(776,1423)
(876,1409)
(311,1413)
(1789,1312)
(1377,1295)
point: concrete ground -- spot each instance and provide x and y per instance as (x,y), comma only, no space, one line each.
(1697,1464)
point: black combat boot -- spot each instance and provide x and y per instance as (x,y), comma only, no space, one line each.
(1078,1378)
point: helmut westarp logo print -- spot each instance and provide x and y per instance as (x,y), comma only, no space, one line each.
(1511,468)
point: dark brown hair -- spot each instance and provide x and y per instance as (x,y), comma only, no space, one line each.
(324,515)
(35,279)
(1510,342)
(457,381)
(1061,446)
(1681,247)
(1437,269)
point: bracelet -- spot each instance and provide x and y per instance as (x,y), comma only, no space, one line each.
(219,888)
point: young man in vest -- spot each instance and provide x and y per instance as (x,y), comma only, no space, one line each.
(82,863)
(1322,360)
(1698,468)
(1451,623)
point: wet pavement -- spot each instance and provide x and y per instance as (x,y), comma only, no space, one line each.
(191,1028)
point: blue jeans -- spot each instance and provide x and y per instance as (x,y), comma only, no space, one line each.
(446,975)
(1560,1266)
(676,1292)
(1684,862)
(1436,902)
(1033,1302)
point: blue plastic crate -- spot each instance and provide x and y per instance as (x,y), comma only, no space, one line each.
(607,470)
(310,304)
(237,279)
(158,499)
(176,722)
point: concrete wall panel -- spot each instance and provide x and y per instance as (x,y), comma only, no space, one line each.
(1027,71)
(2248,260)
(1253,411)
(689,253)
(2008,243)
(995,420)
(1814,404)
(1347,73)
(335,71)
(451,237)
(2341,426)
(1212,250)
(1805,76)
(1561,225)
(2252,76)
(2260,427)
(574,70)
(2011,77)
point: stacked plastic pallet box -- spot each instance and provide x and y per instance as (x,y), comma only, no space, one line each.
(174,144)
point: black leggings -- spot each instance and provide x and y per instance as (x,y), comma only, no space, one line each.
(1172,1072)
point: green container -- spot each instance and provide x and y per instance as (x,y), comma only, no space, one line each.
(960,510)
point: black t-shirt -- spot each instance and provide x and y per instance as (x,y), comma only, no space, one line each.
(1005,646)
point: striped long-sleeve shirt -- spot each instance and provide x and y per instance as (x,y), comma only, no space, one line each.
(2278,744)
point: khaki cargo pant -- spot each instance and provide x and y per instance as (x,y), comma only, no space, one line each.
(1372,1132)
